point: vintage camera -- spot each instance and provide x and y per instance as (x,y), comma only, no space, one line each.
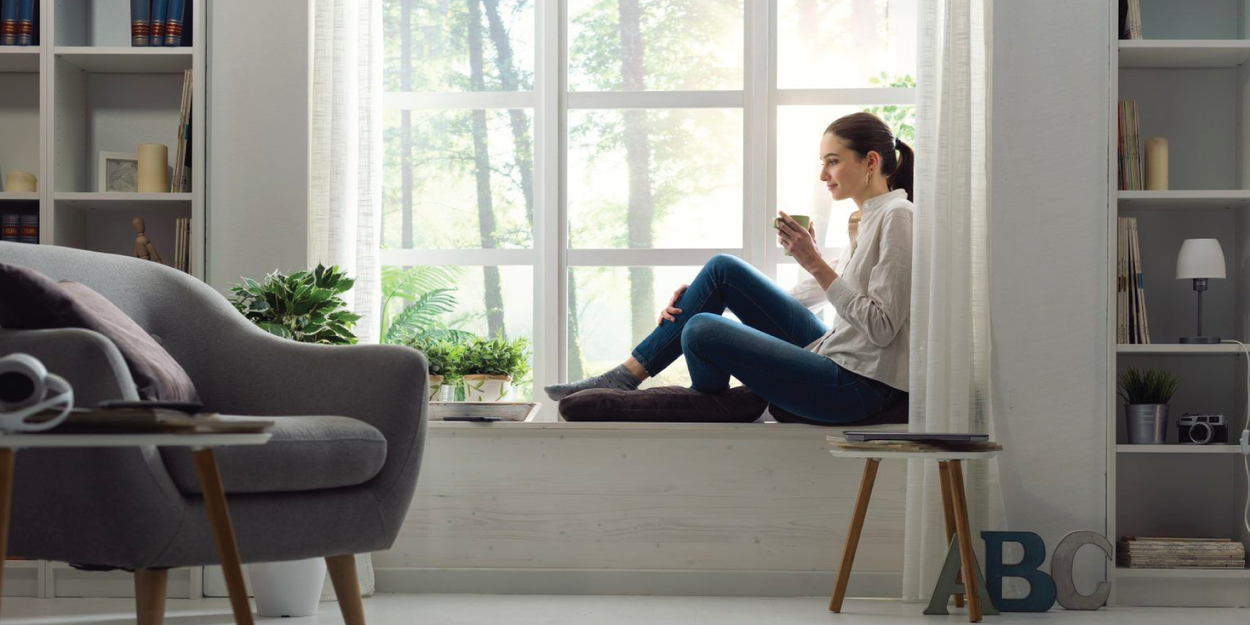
(1203,429)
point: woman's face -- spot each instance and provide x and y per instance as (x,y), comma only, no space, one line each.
(842,171)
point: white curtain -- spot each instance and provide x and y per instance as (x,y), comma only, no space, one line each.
(345,216)
(950,327)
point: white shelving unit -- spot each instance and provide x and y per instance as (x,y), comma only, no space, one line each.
(1190,78)
(84,90)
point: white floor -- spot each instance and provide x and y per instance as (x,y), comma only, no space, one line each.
(592,610)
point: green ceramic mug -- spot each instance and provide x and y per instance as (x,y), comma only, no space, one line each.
(802,220)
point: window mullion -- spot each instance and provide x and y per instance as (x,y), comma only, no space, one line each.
(550,289)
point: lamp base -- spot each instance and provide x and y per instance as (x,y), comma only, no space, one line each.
(1200,340)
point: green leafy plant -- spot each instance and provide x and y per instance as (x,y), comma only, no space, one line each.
(442,355)
(497,356)
(304,306)
(901,118)
(428,293)
(1151,386)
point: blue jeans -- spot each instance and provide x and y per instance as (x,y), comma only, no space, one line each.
(766,351)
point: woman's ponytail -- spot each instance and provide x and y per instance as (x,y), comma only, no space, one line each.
(904,174)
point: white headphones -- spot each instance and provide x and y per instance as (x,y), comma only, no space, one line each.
(27,389)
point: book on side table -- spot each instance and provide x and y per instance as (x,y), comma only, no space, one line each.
(153,421)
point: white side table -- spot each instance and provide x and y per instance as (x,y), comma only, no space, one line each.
(954,504)
(210,484)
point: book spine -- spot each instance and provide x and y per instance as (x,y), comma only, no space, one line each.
(140,22)
(8,23)
(159,10)
(10,227)
(173,22)
(28,229)
(25,22)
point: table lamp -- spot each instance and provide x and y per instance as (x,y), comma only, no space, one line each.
(1200,260)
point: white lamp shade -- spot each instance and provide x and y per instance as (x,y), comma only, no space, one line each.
(1200,258)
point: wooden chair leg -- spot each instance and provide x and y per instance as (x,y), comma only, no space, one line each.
(960,500)
(150,595)
(223,533)
(7,457)
(852,535)
(346,588)
(949,512)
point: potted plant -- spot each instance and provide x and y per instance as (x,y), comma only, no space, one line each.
(305,307)
(490,366)
(443,358)
(1146,395)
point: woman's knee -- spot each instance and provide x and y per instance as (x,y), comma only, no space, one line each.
(724,262)
(698,328)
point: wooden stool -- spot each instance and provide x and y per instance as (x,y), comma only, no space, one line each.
(954,504)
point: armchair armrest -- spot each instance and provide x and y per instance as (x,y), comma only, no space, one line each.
(86,359)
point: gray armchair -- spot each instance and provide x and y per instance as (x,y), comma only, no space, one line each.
(318,489)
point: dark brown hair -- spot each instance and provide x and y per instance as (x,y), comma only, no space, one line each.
(864,133)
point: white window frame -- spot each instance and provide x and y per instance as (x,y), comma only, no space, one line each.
(550,102)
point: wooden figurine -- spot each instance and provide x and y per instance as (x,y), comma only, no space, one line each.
(143,246)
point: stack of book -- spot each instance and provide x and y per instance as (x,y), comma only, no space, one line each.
(838,442)
(182,244)
(142,420)
(17,22)
(1131,324)
(182,154)
(156,22)
(1180,553)
(19,227)
(1130,19)
(1131,178)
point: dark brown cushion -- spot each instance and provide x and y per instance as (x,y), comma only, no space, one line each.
(32,301)
(663,404)
(893,414)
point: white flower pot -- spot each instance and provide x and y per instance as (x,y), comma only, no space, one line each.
(436,383)
(287,588)
(479,387)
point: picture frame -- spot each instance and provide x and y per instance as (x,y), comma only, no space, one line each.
(118,172)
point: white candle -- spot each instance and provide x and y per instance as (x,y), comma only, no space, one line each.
(20,181)
(1156,164)
(153,168)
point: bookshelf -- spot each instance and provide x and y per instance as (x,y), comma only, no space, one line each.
(1190,78)
(84,90)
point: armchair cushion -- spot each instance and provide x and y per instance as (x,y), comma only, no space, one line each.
(34,302)
(304,453)
(664,404)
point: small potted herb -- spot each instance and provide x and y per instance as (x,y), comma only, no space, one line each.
(1146,394)
(443,357)
(489,367)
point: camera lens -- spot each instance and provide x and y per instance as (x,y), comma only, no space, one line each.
(15,387)
(1201,433)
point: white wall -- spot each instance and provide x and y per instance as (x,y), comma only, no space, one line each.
(1049,266)
(258,168)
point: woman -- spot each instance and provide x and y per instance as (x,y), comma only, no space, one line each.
(781,350)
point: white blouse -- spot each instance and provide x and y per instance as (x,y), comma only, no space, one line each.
(872,294)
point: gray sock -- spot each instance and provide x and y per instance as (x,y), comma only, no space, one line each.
(618,378)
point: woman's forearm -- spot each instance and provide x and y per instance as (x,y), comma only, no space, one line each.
(823,273)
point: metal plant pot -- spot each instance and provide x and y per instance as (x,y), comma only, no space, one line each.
(1147,423)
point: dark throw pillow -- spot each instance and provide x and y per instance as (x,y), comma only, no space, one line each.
(663,404)
(32,301)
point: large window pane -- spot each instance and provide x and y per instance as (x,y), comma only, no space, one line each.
(602,327)
(436,165)
(799,188)
(677,45)
(484,301)
(668,178)
(430,45)
(845,43)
